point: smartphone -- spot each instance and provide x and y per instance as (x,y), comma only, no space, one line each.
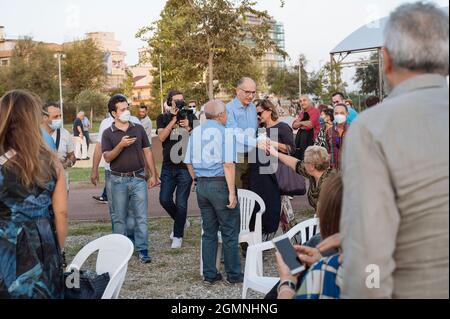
(290,257)
(131,137)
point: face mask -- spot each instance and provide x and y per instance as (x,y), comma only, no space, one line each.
(340,119)
(322,121)
(56,125)
(125,117)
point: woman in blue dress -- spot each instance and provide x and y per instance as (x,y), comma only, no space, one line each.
(33,204)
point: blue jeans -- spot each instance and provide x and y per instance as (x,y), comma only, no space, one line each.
(212,199)
(179,179)
(104,194)
(130,193)
(109,196)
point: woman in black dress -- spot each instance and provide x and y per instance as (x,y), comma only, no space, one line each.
(266,185)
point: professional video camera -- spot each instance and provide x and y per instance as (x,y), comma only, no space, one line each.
(183,112)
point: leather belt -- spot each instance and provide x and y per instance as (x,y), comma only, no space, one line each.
(137,174)
(212,179)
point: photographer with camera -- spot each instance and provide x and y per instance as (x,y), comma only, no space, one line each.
(173,129)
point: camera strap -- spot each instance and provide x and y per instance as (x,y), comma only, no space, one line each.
(58,138)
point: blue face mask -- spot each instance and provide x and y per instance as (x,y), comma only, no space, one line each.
(322,121)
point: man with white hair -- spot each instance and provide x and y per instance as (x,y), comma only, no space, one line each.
(308,126)
(210,159)
(395,223)
(79,139)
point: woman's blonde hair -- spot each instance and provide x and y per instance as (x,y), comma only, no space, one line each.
(318,157)
(20,118)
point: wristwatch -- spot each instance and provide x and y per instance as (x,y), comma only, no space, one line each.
(288,283)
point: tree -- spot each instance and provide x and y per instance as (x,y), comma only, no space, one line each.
(33,67)
(207,43)
(126,87)
(329,80)
(283,83)
(368,77)
(83,67)
(89,100)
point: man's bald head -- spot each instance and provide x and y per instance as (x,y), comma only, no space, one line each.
(245,81)
(216,110)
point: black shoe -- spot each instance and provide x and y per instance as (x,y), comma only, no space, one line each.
(234,281)
(144,258)
(213,281)
(244,247)
(100,199)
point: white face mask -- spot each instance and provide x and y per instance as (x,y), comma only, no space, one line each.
(340,119)
(125,117)
(56,125)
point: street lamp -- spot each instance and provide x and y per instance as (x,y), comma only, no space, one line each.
(60,56)
(300,64)
(161,83)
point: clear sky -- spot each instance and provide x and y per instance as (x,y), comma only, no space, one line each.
(313,27)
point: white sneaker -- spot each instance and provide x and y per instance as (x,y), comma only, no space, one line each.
(177,243)
(171,235)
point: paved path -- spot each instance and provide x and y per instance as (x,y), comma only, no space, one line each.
(83,208)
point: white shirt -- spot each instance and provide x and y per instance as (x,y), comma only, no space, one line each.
(106,124)
(65,144)
(147,124)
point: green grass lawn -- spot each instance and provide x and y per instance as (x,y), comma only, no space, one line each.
(84,174)
(96,126)
(81,175)
(94,129)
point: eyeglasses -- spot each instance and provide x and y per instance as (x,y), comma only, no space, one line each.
(248,93)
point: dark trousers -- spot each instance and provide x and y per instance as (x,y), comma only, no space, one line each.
(179,180)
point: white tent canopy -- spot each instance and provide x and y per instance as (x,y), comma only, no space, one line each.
(368,37)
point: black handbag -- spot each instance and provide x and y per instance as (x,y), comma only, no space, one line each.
(289,182)
(91,285)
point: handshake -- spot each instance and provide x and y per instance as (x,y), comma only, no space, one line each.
(266,144)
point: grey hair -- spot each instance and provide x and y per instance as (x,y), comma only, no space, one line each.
(417,38)
(311,103)
(213,108)
(243,80)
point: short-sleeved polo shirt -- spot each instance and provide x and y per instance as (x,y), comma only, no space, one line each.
(132,158)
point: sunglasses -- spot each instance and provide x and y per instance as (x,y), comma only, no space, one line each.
(261,113)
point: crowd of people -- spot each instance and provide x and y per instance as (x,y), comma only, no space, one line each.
(378,184)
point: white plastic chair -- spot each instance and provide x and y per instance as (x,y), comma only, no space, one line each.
(114,253)
(254,271)
(304,231)
(247,201)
